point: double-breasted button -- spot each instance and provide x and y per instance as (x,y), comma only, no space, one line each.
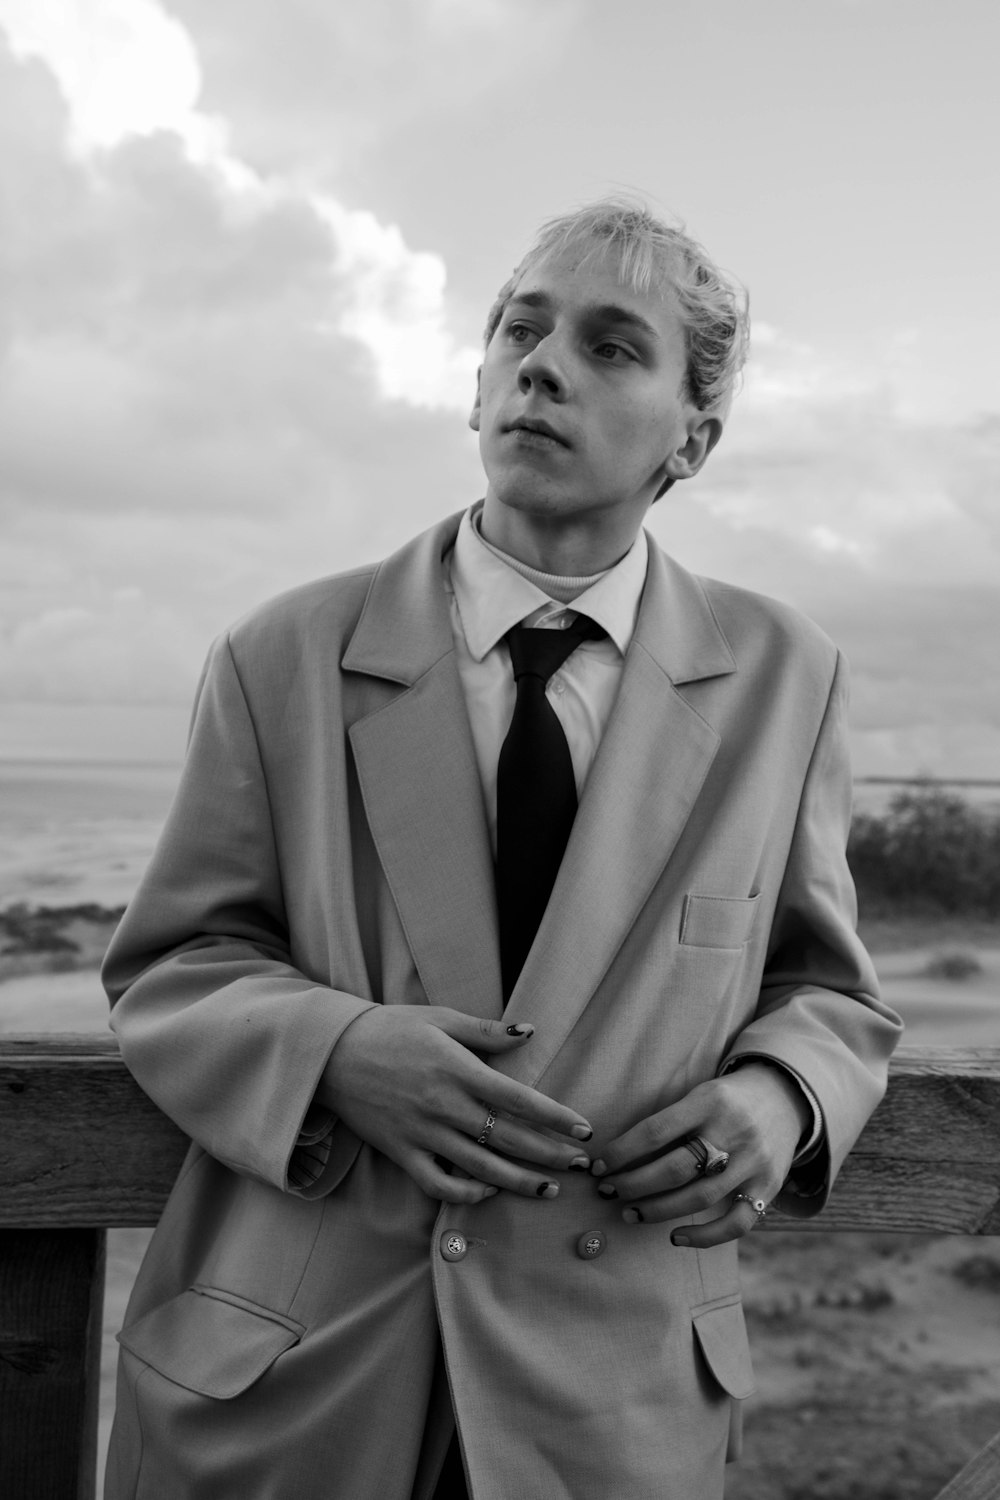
(453,1246)
(590,1245)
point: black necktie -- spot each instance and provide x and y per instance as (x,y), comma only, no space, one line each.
(536,791)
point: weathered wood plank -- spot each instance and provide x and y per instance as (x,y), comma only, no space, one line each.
(979,1479)
(51,1296)
(929,1159)
(81,1144)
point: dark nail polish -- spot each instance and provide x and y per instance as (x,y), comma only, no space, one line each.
(607,1190)
(679,1239)
(547,1190)
(582,1132)
(520,1030)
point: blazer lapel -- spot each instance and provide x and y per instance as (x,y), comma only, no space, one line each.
(645,780)
(419,779)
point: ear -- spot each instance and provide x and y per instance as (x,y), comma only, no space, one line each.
(702,435)
(476,407)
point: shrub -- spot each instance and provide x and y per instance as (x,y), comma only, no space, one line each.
(931,851)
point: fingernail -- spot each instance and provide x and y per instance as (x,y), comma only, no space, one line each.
(599,1168)
(632,1216)
(607,1190)
(580,1164)
(547,1190)
(679,1239)
(490,1192)
(521,1029)
(582,1132)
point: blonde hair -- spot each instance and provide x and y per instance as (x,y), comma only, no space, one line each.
(714,307)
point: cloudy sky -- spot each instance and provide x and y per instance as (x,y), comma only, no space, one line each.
(246,249)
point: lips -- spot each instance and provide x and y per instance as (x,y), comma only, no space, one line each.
(539,427)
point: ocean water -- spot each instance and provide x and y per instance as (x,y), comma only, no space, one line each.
(72,832)
(84,832)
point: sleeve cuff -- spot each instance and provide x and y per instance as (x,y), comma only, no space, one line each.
(311,1151)
(812,1140)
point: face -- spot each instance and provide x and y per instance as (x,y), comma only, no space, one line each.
(581,412)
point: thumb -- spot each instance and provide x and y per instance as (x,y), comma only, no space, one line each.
(482,1035)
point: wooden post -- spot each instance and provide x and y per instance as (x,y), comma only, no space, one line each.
(51,1299)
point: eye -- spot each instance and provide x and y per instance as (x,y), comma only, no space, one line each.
(518,333)
(611,353)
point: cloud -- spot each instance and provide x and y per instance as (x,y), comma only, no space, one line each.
(309,87)
(116,61)
(884,529)
(217,378)
(175,185)
(182,411)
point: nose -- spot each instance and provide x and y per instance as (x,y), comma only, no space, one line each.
(541,369)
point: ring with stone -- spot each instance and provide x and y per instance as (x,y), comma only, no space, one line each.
(710,1159)
(757,1204)
(483,1139)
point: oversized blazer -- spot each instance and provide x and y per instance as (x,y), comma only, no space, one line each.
(328,850)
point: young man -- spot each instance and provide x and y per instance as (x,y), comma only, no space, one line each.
(483,1087)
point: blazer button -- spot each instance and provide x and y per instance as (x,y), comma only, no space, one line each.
(590,1245)
(453,1245)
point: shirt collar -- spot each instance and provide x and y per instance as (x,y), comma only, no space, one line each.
(492,597)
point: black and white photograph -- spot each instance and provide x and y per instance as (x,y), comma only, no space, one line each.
(499,750)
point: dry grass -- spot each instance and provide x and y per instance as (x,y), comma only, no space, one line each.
(891,934)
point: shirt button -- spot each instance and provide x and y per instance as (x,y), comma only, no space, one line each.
(590,1245)
(453,1245)
(558,686)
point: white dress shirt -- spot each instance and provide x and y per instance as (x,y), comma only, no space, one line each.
(488,596)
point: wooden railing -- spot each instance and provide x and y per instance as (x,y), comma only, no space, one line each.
(83,1149)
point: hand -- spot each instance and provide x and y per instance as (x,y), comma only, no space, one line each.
(756,1113)
(407,1080)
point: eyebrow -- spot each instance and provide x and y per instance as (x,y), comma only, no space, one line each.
(606,312)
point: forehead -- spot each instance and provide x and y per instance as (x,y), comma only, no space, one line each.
(589,281)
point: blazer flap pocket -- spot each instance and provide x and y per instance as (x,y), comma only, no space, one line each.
(210,1341)
(717,921)
(722,1334)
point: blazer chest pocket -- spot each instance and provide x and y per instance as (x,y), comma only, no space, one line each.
(717,921)
(210,1341)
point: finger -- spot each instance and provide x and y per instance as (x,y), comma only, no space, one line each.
(480,1034)
(665,1174)
(511,1098)
(512,1139)
(739,1220)
(429,1174)
(495,1171)
(653,1136)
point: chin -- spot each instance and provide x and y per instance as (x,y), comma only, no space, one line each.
(529,496)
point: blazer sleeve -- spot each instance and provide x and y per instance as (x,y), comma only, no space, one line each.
(819,1013)
(215,1023)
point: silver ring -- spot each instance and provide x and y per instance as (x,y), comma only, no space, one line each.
(757,1204)
(699,1153)
(483,1139)
(710,1159)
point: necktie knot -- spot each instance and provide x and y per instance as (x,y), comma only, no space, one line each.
(539,653)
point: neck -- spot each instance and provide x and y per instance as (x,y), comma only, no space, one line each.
(568,547)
